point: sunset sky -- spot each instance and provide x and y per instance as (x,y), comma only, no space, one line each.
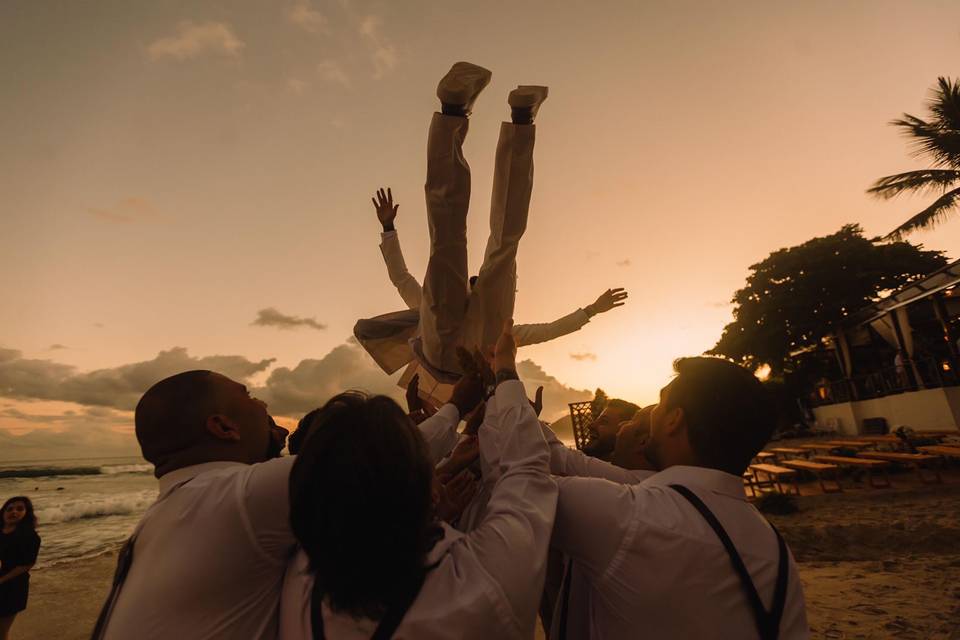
(172,169)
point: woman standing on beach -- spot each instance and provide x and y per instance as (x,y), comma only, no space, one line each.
(19,545)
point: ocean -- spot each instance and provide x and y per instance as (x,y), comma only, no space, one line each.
(84,506)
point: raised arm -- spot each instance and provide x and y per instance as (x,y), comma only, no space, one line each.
(400,276)
(565,461)
(527,334)
(510,540)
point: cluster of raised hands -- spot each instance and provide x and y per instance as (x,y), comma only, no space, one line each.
(456,479)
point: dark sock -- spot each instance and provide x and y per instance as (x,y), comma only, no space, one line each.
(458,110)
(521,115)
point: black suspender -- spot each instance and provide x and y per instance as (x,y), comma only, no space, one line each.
(768,622)
(388,623)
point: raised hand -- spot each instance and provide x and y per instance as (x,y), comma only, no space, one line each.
(505,351)
(609,299)
(468,392)
(454,494)
(537,402)
(414,403)
(386,210)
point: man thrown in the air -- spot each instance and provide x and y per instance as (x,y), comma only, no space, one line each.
(451,309)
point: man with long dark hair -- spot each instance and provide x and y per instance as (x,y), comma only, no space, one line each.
(376,562)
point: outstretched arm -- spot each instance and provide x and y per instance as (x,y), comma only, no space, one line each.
(527,334)
(400,276)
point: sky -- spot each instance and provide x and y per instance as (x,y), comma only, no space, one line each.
(173,172)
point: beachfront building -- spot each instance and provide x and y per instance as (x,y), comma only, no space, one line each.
(894,363)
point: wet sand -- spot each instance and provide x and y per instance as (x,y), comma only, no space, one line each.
(882,563)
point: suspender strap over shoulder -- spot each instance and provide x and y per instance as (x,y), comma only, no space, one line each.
(388,623)
(768,622)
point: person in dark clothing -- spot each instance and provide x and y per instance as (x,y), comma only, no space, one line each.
(19,546)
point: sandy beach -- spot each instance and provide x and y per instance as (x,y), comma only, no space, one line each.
(881,563)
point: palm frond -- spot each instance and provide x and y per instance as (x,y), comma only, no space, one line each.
(925,180)
(931,139)
(929,217)
(945,103)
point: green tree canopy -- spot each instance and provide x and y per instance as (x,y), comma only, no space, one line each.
(798,295)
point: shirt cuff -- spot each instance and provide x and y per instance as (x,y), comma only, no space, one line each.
(581,314)
(511,392)
(388,234)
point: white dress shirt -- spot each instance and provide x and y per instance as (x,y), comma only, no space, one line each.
(650,566)
(488,582)
(439,431)
(411,292)
(209,556)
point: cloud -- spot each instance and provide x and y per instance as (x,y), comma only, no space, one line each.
(556,395)
(303,15)
(83,433)
(296,85)
(331,71)
(195,39)
(118,387)
(382,51)
(56,347)
(623,263)
(125,211)
(270,317)
(580,357)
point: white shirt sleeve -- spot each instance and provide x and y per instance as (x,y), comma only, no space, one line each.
(510,540)
(400,276)
(593,517)
(266,504)
(565,461)
(440,432)
(527,334)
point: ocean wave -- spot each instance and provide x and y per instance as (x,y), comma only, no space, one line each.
(70,510)
(47,472)
(112,469)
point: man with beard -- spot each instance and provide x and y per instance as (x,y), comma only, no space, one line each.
(682,554)
(602,432)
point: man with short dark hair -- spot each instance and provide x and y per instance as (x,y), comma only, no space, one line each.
(208,557)
(602,432)
(659,558)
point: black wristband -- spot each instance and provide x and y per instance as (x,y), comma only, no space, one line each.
(506,374)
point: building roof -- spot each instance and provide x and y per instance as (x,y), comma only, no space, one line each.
(939,280)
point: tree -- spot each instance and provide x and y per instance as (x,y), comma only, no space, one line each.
(599,403)
(938,138)
(798,295)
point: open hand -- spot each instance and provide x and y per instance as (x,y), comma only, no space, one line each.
(386,210)
(505,351)
(608,300)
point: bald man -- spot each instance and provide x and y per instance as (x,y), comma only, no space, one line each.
(207,558)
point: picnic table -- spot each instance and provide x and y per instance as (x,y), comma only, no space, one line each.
(915,460)
(861,463)
(944,450)
(817,469)
(775,475)
(789,451)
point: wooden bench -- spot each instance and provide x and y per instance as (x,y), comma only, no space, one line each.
(817,469)
(849,444)
(816,446)
(775,474)
(889,440)
(860,463)
(764,456)
(789,451)
(941,450)
(916,460)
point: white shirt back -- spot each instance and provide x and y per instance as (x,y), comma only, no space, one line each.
(488,582)
(210,555)
(647,564)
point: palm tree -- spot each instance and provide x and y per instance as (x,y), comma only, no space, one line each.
(939,139)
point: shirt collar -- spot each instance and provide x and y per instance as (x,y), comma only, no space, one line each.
(178,476)
(702,478)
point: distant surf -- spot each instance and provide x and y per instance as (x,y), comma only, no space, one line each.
(49,472)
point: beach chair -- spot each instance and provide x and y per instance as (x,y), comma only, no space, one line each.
(776,476)
(870,466)
(915,460)
(818,469)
